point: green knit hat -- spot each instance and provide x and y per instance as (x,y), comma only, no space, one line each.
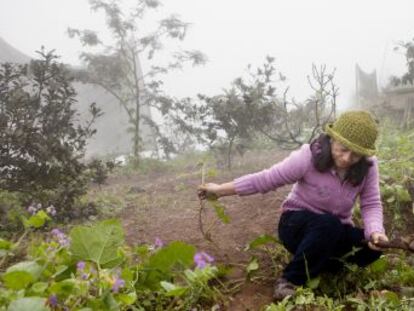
(357,130)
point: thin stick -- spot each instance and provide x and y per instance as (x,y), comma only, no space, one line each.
(395,244)
(201,210)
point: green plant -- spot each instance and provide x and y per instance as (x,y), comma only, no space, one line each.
(41,141)
(397,176)
(92,268)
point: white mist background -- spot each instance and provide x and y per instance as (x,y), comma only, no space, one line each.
(235,33)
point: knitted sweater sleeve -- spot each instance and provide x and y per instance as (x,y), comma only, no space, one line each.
(288,171)
(371,207)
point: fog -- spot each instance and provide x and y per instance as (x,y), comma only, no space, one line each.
(235,33)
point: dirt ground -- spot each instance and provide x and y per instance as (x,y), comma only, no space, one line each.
(165,205)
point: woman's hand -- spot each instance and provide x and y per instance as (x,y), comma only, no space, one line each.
(214,191)
(208,191)
(375,238)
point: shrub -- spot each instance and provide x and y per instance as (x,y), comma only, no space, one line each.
(42,140)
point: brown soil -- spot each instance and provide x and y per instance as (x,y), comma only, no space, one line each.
(165,205)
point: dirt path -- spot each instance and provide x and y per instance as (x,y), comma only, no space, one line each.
(166,206)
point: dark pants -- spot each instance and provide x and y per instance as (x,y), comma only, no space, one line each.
(318,241)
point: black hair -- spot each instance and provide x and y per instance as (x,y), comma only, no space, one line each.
(323,161)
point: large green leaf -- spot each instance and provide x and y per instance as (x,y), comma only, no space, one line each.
(65,287)
(31,267)
(160,265)
(17,279)
(20,275)
(28,304)
(98,243)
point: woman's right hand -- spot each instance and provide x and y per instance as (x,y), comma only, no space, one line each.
(208,191)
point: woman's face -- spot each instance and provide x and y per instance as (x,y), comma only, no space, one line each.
(342,156)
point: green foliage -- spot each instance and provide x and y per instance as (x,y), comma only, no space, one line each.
(98,171)
(384,285)
(17,280)
(28,304)
(305,299)
(11,209)
(41,142)
(177,255)
(105,203)
(21,274)
(397,176)
(261,240)
(37,220)
(99,243)
(5,247)
(89,275)
(408,77)
(234,118)
(388,282)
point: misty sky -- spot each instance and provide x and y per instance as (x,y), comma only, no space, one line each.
(234,33)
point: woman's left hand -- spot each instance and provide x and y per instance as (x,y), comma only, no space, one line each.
(375,238)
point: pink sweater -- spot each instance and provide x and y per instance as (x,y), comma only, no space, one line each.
(319,192)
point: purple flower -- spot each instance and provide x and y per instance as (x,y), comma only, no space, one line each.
(62,239)
(64,242)
(51,210)
(158,243)
(119,283)
(31,209)
(56,232)
(52,301)
(80,265)
(202,259)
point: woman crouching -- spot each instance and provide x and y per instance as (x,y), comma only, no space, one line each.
(329,175)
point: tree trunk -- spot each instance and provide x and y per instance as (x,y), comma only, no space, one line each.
(137,138)
(230,147)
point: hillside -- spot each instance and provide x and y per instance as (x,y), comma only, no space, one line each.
(10,54)
(111,137)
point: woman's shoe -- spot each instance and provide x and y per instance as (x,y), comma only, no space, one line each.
(282,289)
